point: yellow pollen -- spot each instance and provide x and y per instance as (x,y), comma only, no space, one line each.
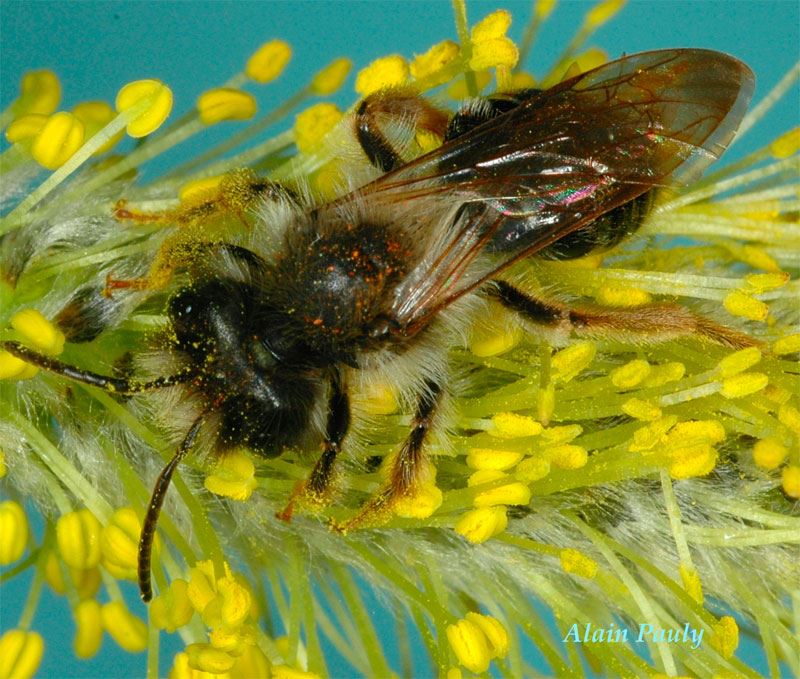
(494,53)
(234,477)
(631,374)
(769,453)
(225,103)
(692,460)
(789,416)
(78,535)
(25,127)
(738,361)
(478,525)
(761,282)
(206,658)
(647,437)
(664,374)
(126,629)
(59,139)
(147,103)
(40,92)
(740,303)
(532,469)
(331,78)
(512,425)
(422,504)
(743,384)
(489,458)
(89,629)
(40,332)
(620,296)
(725,636)
(470,646)
(786,145)
(562,434)
(789,344)
(20,654)
(311,125)
(435,59)
(389,71)
(691,583)
(568,362)
(13,368)
(575,562)
(200,189)
(492,343)
(496,634)
(494,25)
(568,456)
(119,544)
(378,399)
(755,257)
(514,493)
(268,61)
(790,481)
(641,410)
(13,532)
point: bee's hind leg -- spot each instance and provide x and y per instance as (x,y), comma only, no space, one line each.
(406,466)
(315,488)
(651,323)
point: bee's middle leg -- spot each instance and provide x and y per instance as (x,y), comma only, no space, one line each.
(315,488)
(406,467)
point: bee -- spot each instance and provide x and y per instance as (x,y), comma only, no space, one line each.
(267,340)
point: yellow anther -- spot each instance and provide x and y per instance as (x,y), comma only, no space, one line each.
(470,645)
(568,362)
(126,629)
(777,394)
(200,189)
(494,25)
(172,608)
(521,80)
(743,384)
(252,663)
(268,61)
(478,525)
(545,403)
(495,632)
(287,672)
(789,416)
(755,257)
(40,92)
(543,8)
(786,145)
(61,136)
(691,583)
(25,127)
(311,125)
(603,12)
(233,477)
(562,434)
(78,536)
(738,361)
(494,341)
(88,629)
(435,59)
(647,437)
(454,673)
(532,469)
(512,426)
(769,453)
(202,587)
(236,600)
(790,344)
(20,654)
(119,544)
(233,642)
(621,296)
(567,456)
(13,532)
(38,331)
(422,504)
(490,458)
(739,303)
(206,658)
(575,562)
(692,460)
(695,431)
(458,89)
(147,103)
(493,54)
(485,476)
(790,481)
(762,282)
(389,71)
(514,493)
(95,115)
(225,103)
(631,374)
(86,581)
(646,411)
(725,636)
(378,399)
(664,374)
(331,78)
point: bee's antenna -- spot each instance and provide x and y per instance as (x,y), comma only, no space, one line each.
(154,508)
(115,385)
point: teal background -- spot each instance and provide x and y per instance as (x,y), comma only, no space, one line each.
(96,47)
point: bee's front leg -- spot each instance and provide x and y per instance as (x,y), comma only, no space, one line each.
(315,488)
(406,467)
